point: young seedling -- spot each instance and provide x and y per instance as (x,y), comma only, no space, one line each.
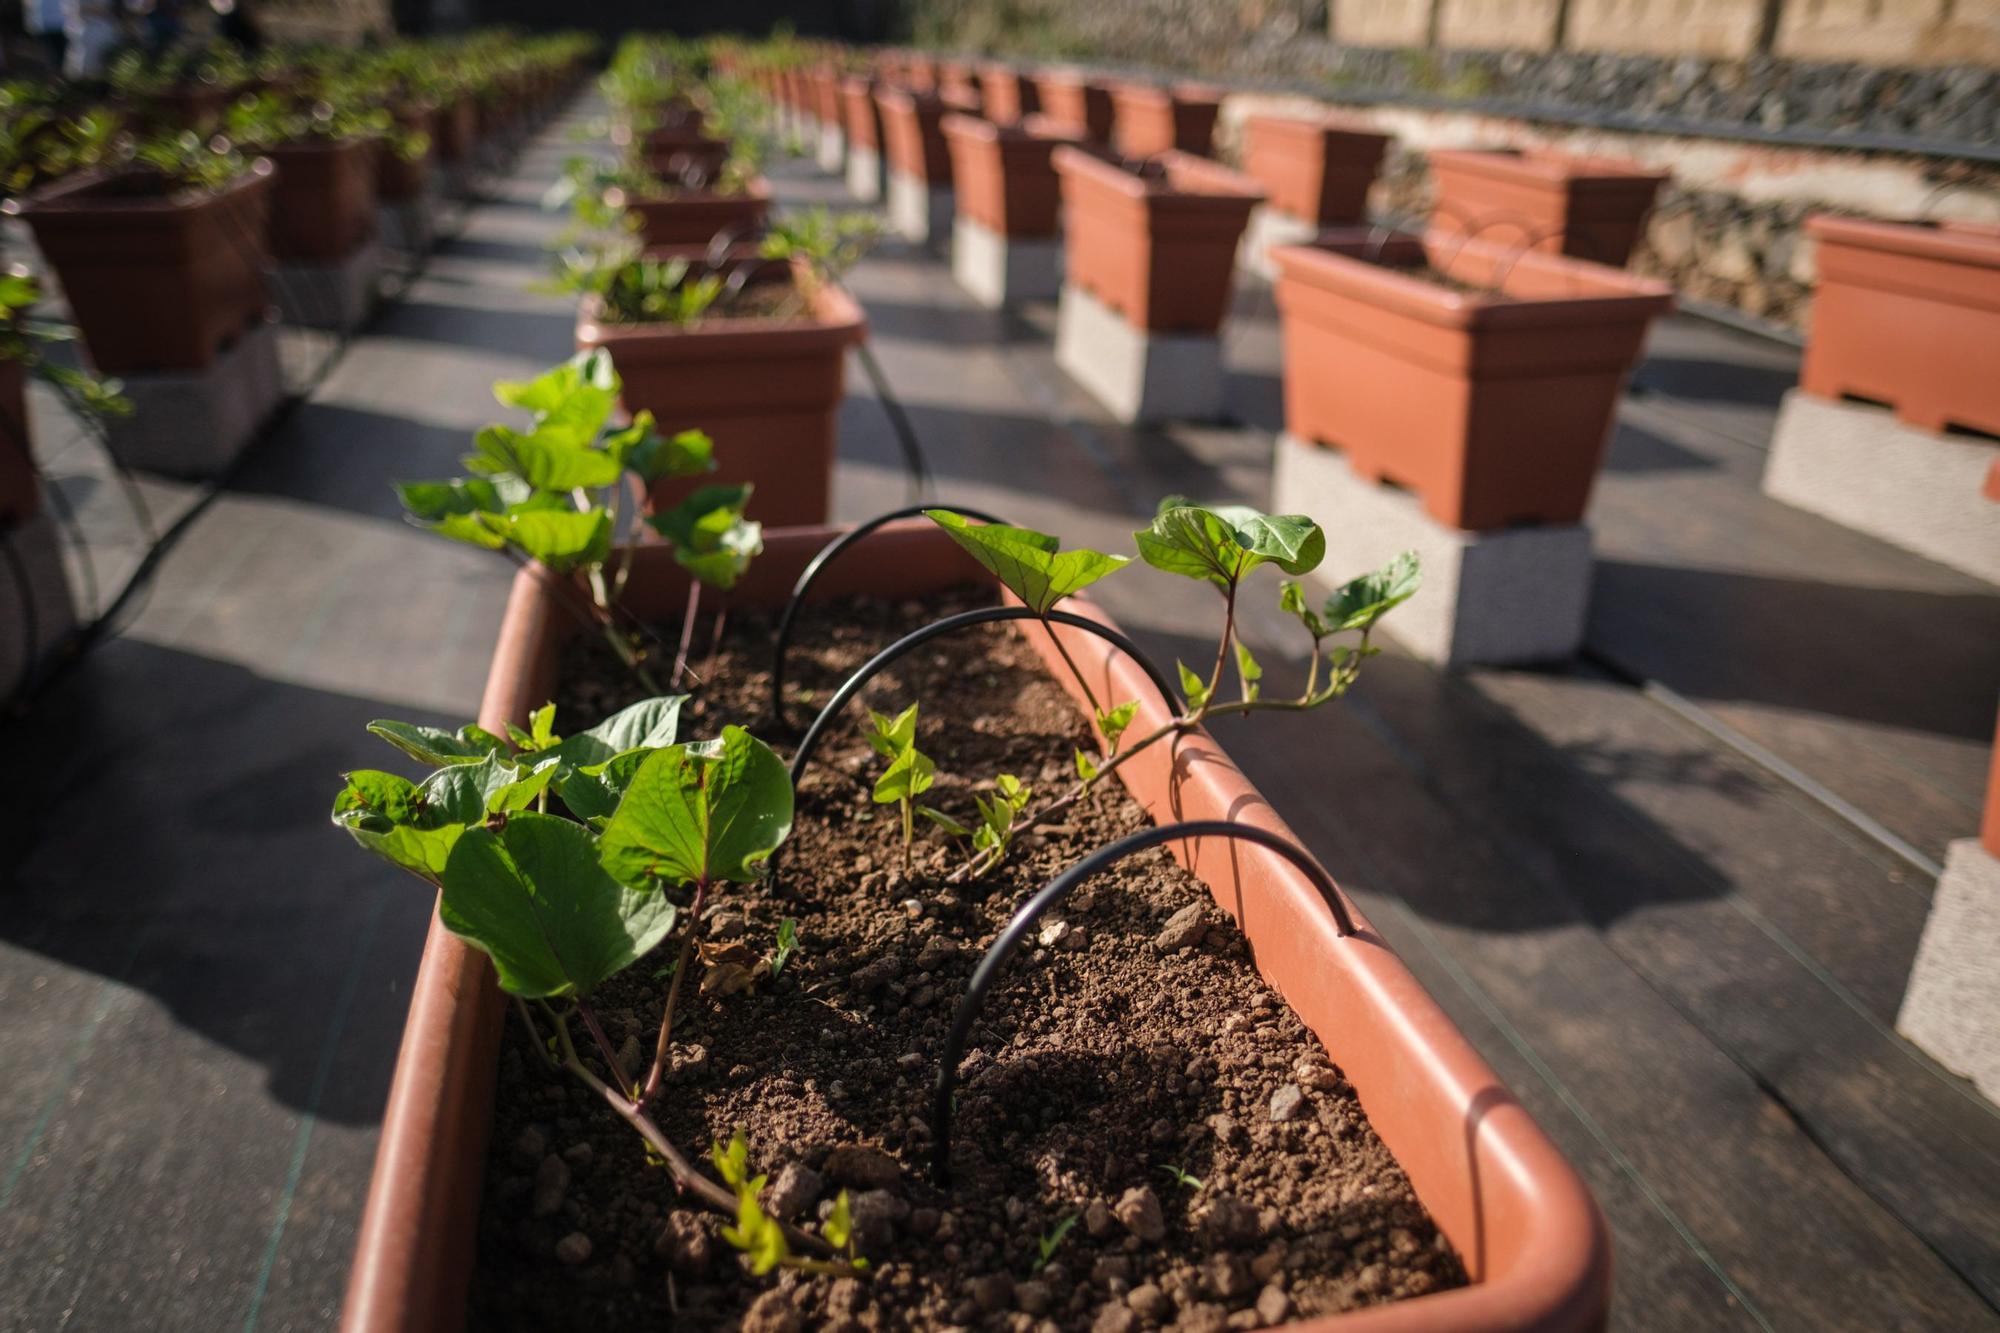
(554,494)
(1047,1245)
(788,944)
(1181,1177)
(910,771)
(761,1238)
(1221,546)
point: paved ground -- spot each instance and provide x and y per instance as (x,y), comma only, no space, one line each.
(1686,964)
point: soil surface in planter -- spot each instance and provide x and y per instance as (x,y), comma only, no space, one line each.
(1135,1041)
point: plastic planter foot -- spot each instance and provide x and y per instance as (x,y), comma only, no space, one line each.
(37,547)
(194,423)
(1508,596)
(1138,375)
(1952,1007)
(336,296)
(999,270)
(920,212)
(1269,227)
(832,148)
(1856,464)
(864,173)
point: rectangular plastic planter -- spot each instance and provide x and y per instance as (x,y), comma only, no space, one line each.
(322,201)
(913,136)
(696,217)
(1586,207)
(1004,177)
(1159,249)
(767,391)
(1317,169)
(156,281)
(1908,314)
(1523,1222)
(1008,93)
(1076,102)
(1150,120)
(1494,408)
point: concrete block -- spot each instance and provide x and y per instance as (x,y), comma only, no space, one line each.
(1268,227)
(1859,466)
(1138,376)
(832,150)
(919,211)
(998,270)
(1952,1006)
(1513,596)
(411,225)
(37,614)
(864,173)
(196,423)
(336,297)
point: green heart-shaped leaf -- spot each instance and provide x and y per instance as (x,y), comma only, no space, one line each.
(1360,602)
(1223,544)
(548,460)
(1028,562)
(705,812)
(712,540)
(571,401)
(534,897)
(436,746)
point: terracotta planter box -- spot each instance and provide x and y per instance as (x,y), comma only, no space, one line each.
(322,200)
(767,391)
(697,216)
(960,84)
(860,117)
(1150,121)
(1494,409)
(156,282)
(913,135)
(1079,104)
(1585,207)
(1531,1238)
(457,130)
(1009,94)
(397,179)
(1909,315)
(1159,251)
(1004,177)
(1316,169)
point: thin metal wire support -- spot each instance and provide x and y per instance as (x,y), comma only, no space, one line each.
(987,974)
(781,642)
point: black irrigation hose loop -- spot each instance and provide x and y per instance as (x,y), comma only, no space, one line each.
(938,628)
(31,629)
(1023,921)
(781,642)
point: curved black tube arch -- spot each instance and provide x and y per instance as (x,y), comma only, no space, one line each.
(983,616)
(988,971)
(782,642)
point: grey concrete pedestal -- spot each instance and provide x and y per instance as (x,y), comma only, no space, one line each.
(1138,376)
(1952,1006)
(37,615)
(410,225)
(998,270)
(1268,227)
(832,152)
(196,423)
(919,211)
(1859,466)
(1488,597)
(864,173)
(336,297)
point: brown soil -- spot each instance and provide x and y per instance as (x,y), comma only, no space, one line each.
(1101,1061)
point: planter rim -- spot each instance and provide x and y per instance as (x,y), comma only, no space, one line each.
(837,319)
(757,188)
(1226,185)
(68,198)
(1309,125)
(1548,166)
(1418,298)
(1021,133)
(1186,94)
(415,1237)
(1956,243)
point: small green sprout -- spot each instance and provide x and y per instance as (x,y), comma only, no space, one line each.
(788,944)
(1047,1245)
(910,772)
(1181,1176)
(761,1237)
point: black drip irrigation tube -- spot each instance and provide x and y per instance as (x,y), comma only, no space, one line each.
(787,622)
(899,422)
(987,974)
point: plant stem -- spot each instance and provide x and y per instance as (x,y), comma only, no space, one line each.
(714,643)
(657,1074)
(603,1042)
(1088,693)
(535,1034)
(1222,648)
(687,634)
